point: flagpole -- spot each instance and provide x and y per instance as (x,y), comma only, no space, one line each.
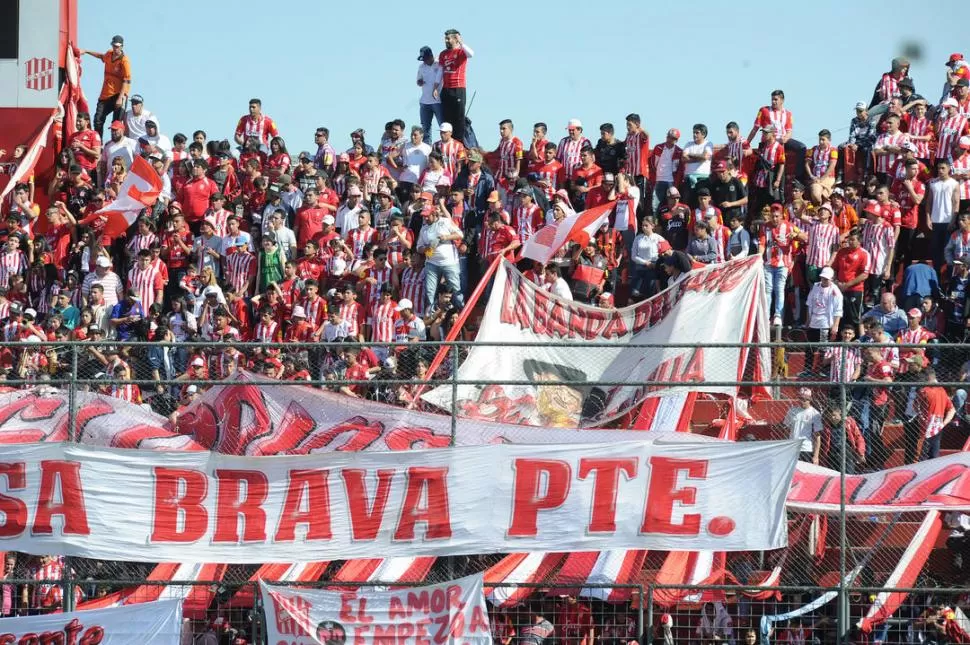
(459,323)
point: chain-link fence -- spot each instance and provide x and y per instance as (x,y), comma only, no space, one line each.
(875,405)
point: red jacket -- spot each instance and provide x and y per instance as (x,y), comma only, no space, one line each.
(675,159)
(194,197)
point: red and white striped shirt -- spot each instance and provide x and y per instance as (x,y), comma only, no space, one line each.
(261,127)
(527,221)
(146,283)
(821,237)
(267,333)
(352,313)
(637,161)
(886,161)
(12,264)
(777,244)
(395,248)
(919,127)
(49,593)
(781,119)
(127,392)
(735,152)
(947,134)
(218,218)
(316,311)
(823,159)
(358,238)
(373,291)
(412,288)
(845,361)
(568,154)
(888,88)
(551,173)
(13,330)
(452,154)
(773,155)
(510,152)
(138,243)
(240,267)
(382,322)
(961,165)
(878,240)
(371,177)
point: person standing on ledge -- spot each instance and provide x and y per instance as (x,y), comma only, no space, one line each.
(116,85)
(453,60)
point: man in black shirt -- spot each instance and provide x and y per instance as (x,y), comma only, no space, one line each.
(727,191)
(672,216)
(609,152)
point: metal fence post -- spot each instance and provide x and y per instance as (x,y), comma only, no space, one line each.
(843,609)
(454,394)
(640,616)
(259,615)
(67,577)
(648,634)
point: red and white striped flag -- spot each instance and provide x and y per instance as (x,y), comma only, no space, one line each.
(139,191)
(577,227)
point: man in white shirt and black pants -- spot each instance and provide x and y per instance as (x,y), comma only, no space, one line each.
(429,80)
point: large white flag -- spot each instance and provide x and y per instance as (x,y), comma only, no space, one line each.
(139,190)
(578,228)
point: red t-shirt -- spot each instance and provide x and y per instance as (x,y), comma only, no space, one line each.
(908,208)
(89,139)
(574,623)
(880,370)
(849,264)
(194,197)
(453,63)
(308,225)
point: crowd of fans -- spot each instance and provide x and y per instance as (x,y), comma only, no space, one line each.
(384,243)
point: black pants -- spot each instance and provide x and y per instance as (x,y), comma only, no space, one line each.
(813,336)
(105,107)
(453,106)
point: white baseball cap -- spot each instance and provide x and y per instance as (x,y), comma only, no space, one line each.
(826,272)
(299,312)
(574,123)
(445,127)
(404,303)
(103,262)
(950,101)
(860,106)
(328,219)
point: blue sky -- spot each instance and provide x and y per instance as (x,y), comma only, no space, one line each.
(349,65)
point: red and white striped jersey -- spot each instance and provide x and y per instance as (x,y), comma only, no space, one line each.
(721,234)
(270,333)
(126,392)
(949,130)
(773,155)
(510,153)
(568,154)
(878,240)
(372,292)
(352,313)
(146,283)
(637,161)
(239,268)
(138,243)
(821,237)
(526,221)
(49,593)
(552,174)
(735,151)
(261,126)
(360,237)
(452,155)
(371,177)
(888,88)
(219,218)
(412,288)
(823,159)
(845,361)
(920,127)
(961,165)
(781,119)
(382,322)
(12,264)
(5,308)
(777,244)
(916,336)
(886,161)
(316,311)
(395,248)
(13,330)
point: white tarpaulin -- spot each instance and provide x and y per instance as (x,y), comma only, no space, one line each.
(451,612)
(151,623)
(530,335)
(205,507)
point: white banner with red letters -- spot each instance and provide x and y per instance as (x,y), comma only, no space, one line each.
(554,348)
(150,623)
(204,507)
(451,612)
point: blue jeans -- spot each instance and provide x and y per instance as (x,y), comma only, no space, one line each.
(660,193)
(427,111)
(643,281)
(432,276)
(775,278)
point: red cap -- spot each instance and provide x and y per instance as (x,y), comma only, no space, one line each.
(117,125)
(719,165)
(663,246)
(955,57)
(872,206)
(777,208)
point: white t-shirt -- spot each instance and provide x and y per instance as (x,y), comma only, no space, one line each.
(941,199)
(415,161)
(560,288)
(346,218)
(127,149)
(431,74)
(698,167)
(622,219)
(161,142)
(446,253)
(136,124)
(665,165)
(804,424)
